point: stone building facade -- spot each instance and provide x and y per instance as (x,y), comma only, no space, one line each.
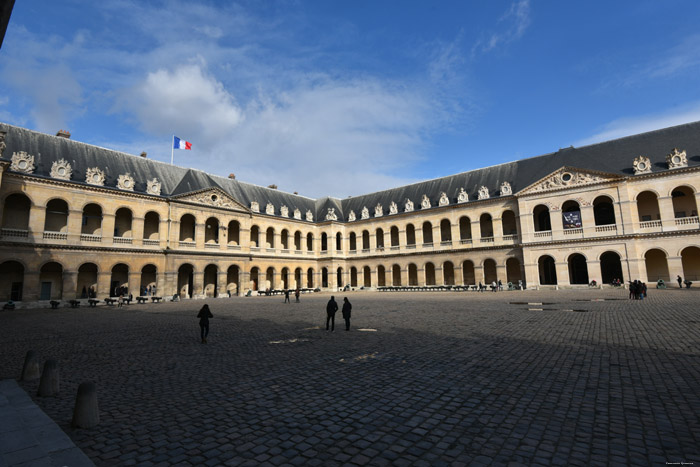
(78,218)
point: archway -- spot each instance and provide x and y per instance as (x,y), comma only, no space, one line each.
(396,275)
(324,278)
(285,278)
(234,233)
(353,242)
(490,271)
(684,204)
(394,236)
(187,227)
(448,273)
(603,211)
(233,277)
(338,242)
(367,272)
(410,235)
(270,238)
(185,280)
(86,286)
(148,279)
(379,234)
(255,237)
(56,216)
(119,282)
(270,278)
(255,278)
(310,278)
(339,278)
(122,223)
(578,269)
(211,274)
(657,265)
(353,276)
(513,272)
(309,242)
(429,274)
(427,233)
(465,228)
(486,224)
(365,240)
(468,276)
(11,281)
(540,216)
(151,226)
(412,274)
(611,268)
(648,206)
(508,222)
(15,214)
(211,231)
(690,258)
(547,269)
(381,276)
(284,239)
(298,283)
(445,231)
(92,220)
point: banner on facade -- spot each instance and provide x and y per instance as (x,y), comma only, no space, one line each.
(572,220)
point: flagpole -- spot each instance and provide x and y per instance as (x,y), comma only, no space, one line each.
(172,150)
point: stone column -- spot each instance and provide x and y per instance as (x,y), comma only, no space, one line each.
(479,274)
(532,274)
(419,236)
(562,268)
(168,287)
(420,272)
(402,239)
(502,275)
(387,239)
(588,221)
(137,224)
(37,217)
(174,234)
(454,228)
(198,284)
(75,225)
(161,284)
(459,274)
(103,284)
(221,283)
(373,241)
(199,236)
(675,268)
(497,224)
(437,235)
(594,271)
(164,241)
(557,225)
(70,285)
(527,227)
(31,286)
(134,285)
(107,229)
(668,217)
(476,235)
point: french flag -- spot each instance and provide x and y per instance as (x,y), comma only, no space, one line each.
(181,144)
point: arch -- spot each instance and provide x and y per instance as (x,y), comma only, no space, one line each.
(571,215)
(324,241)
(396,275)
(379,234)
(233,280)
(86,285)
(468,274)
(690,259)
(445,230)
(255,237)
(412,274)
(684,205)
(547,270)
(648,206)
(284,277)
(353,277)
(541,218)
(15,214)
(56,219)
(51,281)
(297,242)
(578,269)
(92,220)
(490,271)
(513,270)
(284,239)
(187,228)
(123,219)
(465,228)
(410,235)
(448,273)
(657,265)
(234,233)
(486,225)
(339,278)
(365,240)
(149,274)
(381,276)
(270,278)
(367,276)
(309,242)
(151,226)
(11,280)
(324,277)
(427,233)
(254,278)
(611,268)
(185,280)
(508,223)
(310,278)
(338,242)
(211,230)
(353,241)
(394,234)
(119,280)
(429,273)
(298,283)
(603,210)
(270,237)
(211,276)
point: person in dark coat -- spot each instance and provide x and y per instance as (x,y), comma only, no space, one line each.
(286,296)
(680,281)
(204,315)
(331,308)
(296,294)
(347,309)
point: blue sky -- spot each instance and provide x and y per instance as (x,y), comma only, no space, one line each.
(344,98)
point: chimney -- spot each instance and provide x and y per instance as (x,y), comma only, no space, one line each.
(63,134)
(232,176)
(296,192)
(273,186)
(144,154)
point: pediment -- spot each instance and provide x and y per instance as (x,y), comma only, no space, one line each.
(568,177)
(212,197)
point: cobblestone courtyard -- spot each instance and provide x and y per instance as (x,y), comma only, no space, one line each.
(421,379)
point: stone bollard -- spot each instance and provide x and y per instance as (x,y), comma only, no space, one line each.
(86,414)
(31,369)
(48,385)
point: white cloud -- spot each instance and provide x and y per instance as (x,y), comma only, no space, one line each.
(515,21)
(634,125)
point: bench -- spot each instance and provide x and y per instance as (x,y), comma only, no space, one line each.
(8,306)
(127,300)
(54,304)
(93,302)
(474,287)
(74,303)
(141,300)
(156,299)
(110,301)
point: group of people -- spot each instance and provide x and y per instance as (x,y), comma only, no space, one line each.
(146,291)
(88,292)
(638,290)
(681,282)
(297,292)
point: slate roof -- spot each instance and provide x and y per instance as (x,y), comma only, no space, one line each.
(614,156)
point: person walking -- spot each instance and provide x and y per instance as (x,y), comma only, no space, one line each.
(296,294)
(204,315)
(680,281)
(331,308)
(286,296)
(347,309)
(120,301)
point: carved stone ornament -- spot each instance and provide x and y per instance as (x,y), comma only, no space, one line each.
(351,216)
(254,206)
(365,213)
(213,199)
(61,169)
(425,202)
(566,178)
(95,176)
(676,159)
(153,187)
(444,200)
(284,211)
(297,214)
(642,165)
(309,216)
(462,197)
(378,211)
(506,189)
(22,162)
(483,193)
(408,207)
(331,215)
(393,208)
(3,145)
(125,182)
(270,209)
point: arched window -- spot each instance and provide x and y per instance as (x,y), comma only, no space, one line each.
(353,241)
(297,243)
(338,242)
(379,234)
(187,226)
(324,244)
(284,239)
(56,216)
(394,237)
(211,231)
(151,226)
(429,274)
(410,235)
(465,229)
(234,233)
(684,204)
(254,237)
(211,274)
(486,223)
(648,207)
(508,223)
(427,233)
(122,223)
(15,214)
(92,221)
(540,216)
(445,231)
(448,273)
(571,215)
(270,238)
(309,242)
(365,240)
(603,211)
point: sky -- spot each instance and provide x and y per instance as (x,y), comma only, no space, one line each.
(341,98)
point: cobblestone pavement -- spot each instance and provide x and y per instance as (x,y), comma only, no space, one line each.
(460,378)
